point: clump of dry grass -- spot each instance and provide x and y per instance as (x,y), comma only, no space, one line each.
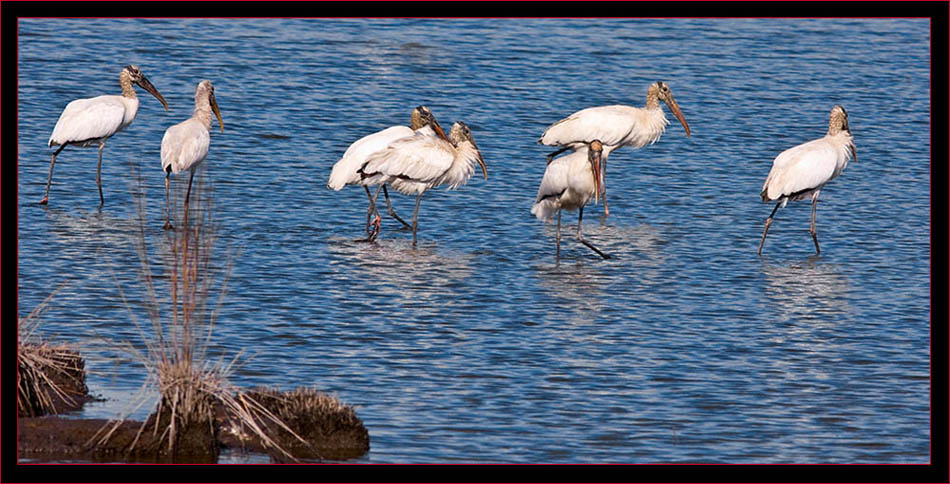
(190,386)
(330,429)
(50,377)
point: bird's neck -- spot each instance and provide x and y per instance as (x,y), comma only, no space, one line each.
(653,101)
(126,83)
(203,113)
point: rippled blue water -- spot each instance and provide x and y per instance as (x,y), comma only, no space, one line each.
(477,346)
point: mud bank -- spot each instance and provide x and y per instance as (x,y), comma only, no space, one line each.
(330,429)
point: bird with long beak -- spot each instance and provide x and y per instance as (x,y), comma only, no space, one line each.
(185,145)
(802,171)
(569,183)
(346,171)
(615,126)
(415,164)
(92,121)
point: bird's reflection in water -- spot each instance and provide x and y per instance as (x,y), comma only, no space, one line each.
(577,286)
(807,289)
(420,279)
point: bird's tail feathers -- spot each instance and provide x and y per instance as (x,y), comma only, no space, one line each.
(544,209)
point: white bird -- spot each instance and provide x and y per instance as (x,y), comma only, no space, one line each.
(87,122)
(346,171)
(615,126)
(415,164)
(569,182)
(801,172)
(185,145)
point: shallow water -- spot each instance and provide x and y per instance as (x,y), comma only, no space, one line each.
(477,345)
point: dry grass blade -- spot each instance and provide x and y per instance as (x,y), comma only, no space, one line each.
(190,388)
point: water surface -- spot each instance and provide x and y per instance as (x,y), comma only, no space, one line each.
(477,345)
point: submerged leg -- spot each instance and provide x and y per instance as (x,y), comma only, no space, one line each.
(415,218)
(52,161)
(768,222)
(580,216)
(389,208)
(813,229)
(102,200)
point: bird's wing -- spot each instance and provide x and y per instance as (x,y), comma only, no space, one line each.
(554,181)
(609,124)
(419,158)
(553,184)
(346,170)
(184,145)
(803,167)
(88,119)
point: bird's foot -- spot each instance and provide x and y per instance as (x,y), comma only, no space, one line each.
(168,225)
(45,200)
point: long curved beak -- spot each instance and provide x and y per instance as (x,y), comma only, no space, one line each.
(438,130)
(144,82)
(854,152)
(481,163)
(595,162)
(217,112)
(679,114)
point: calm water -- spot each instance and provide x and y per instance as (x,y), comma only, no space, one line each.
(477,346)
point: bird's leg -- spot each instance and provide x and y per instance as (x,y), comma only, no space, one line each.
(415,218)
(389,208)
(580,237)
(813,229)
(102,200)
(557,238)
(551,156)
(168,223)
(603,185)
(370,221)
(49,180)
(187,197)
(768,222)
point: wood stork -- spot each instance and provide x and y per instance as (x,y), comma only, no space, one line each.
(185,145)
(346,171)
(569,182)
(91,121)
(801,172)
(415,164)
(615,126)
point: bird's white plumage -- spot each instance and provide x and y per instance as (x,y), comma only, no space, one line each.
(185,145)
(87,121)
(414,164)
(346,170)
(614,126)
(568,183)
(805,168)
